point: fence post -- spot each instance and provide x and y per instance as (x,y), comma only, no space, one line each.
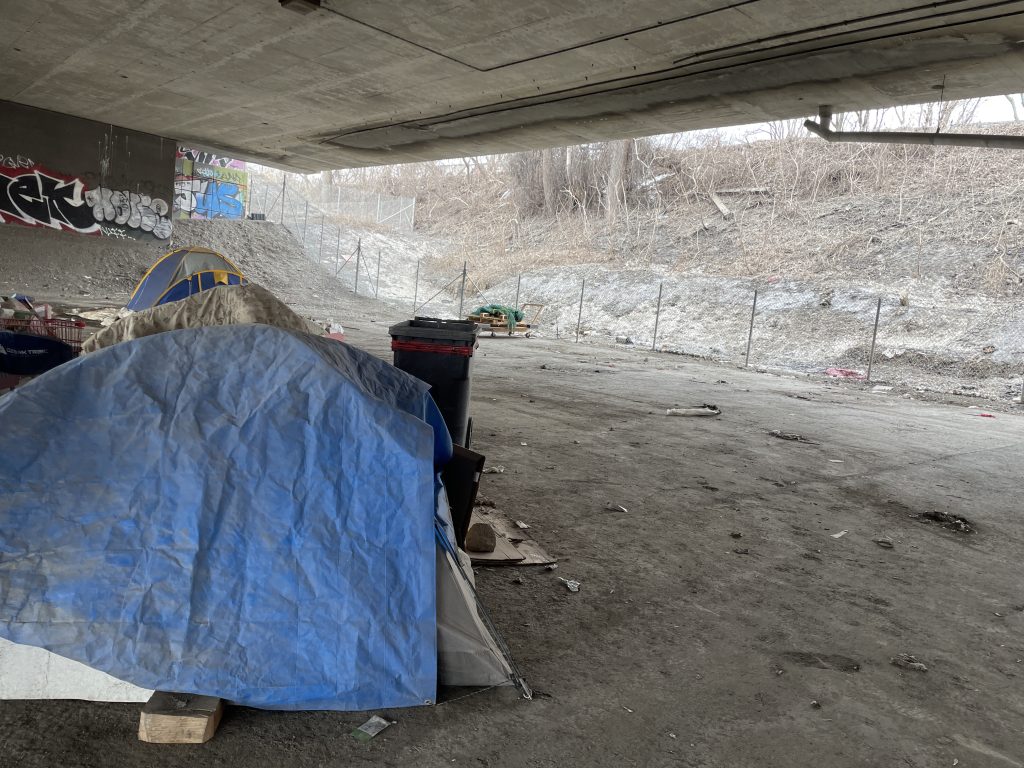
(359,253)
(337,207)
(579,318)
(657,316)
(337,252)
(416,288)
(874,336)
(462,290)
(284,186)
(378,208)
(750,333)
(376,287)
(305,221)
(519,281)
(320,254)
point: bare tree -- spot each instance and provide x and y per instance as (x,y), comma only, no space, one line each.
(553,178)
(615,190)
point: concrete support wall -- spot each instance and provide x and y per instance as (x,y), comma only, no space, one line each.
(63,173)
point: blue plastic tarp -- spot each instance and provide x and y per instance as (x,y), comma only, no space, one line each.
(238,511)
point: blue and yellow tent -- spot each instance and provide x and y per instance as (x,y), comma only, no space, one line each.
(182,273)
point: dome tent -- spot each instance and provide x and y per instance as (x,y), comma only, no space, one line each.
(181,273)
(259,521)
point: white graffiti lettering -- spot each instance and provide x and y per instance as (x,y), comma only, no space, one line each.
(15,161)
(117,234)
(130,209)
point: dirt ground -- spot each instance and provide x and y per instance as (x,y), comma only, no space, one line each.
(687,645)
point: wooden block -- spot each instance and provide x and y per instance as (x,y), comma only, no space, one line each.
(504,553)
(179,718)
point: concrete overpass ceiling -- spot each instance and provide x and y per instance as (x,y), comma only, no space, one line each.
(360,82)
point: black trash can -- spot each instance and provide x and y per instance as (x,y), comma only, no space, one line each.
(439,352)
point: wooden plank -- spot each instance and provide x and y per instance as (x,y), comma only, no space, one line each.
(179,718)
(527,550)
(505,553)
(721,206)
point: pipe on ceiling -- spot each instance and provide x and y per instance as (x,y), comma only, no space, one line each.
(823,130)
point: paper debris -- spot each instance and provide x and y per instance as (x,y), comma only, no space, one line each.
(571,584)
(371,728)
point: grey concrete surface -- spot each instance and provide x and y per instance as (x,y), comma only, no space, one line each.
(364,83)
(685,645)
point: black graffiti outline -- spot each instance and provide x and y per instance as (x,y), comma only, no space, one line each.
(37,198)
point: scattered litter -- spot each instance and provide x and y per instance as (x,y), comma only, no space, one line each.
(518,580)
(616,508)
(571,584)
(495,470)
(985,415)
(839,535)
(521,524)
(575,442)
(672,736)
(948,521)
(627,709)
(988,349)
(371,728)
(741,551)
(523,443)
(707,409)
(880,388)
(736,535)
(835,461)
(844,373)
(906,661)
(996,613)
(884,541)
(794,436)
(550,566)
(815,704)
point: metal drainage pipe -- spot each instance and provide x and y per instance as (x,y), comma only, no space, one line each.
(904,137)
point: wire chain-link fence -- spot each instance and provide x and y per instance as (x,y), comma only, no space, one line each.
(967,344)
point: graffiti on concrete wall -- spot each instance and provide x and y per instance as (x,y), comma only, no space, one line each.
(37,197)
(131,210)
(209,186)
(15,161)
(208,158)
(209,199)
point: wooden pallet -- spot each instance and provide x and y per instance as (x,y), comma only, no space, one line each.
(496,324)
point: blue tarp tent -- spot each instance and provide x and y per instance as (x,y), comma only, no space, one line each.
(181,273)
(238,511)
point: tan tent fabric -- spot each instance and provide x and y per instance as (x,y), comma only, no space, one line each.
(223,305)
(467,653)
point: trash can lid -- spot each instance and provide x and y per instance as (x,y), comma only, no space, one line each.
(434,328)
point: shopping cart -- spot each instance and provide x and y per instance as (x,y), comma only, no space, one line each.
(71,332)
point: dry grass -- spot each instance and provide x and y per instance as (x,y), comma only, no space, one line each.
(882,212)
